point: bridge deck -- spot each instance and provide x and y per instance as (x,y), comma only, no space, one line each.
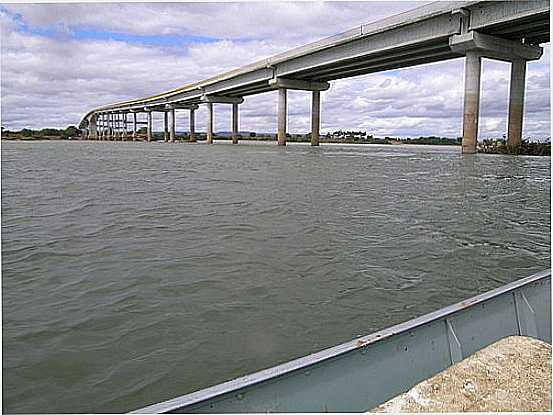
(415,37)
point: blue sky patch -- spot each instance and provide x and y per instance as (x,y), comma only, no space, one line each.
(158,40)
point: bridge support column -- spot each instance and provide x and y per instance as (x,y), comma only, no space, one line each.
(125,126)
(134,126)
(120,126)
(114,126)
(149,126)
(101,132)
(234,123)
(172,127)
(104,127)
(516,103)
(209,123)
(120,122)
(165,126)
(282,113)
(473,63)
(192,138)
(315,117)
(92,128)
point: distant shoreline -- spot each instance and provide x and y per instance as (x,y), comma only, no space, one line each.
(484,147)
(201,137)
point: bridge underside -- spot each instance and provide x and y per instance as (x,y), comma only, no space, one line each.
(510,31)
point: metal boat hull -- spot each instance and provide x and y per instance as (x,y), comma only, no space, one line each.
(359,375)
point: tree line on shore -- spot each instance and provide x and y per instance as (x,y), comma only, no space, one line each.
(43,134)
(490,146)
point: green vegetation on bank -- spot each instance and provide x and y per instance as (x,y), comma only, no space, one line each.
(433,140)
(337,137)
(44,134)
(489,146)
(527,148)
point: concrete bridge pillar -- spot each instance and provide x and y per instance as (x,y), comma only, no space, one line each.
(192,126)
(149,126)
(120,123)
(101,126)
(93,128)
(234,123)
(516,103)
(114,123)
(473,64)
(209,123)
(134,129)
(315,117)
(282,113)
(104,127)
(165,126)
(120,126)
(125,126)
(114,126)
(173,121)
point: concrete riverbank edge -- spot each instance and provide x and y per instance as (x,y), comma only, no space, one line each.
(510,375)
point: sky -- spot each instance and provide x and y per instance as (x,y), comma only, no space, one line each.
(59,60)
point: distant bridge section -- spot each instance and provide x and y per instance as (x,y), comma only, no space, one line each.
(508,31)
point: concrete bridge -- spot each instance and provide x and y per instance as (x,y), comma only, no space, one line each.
(508,31)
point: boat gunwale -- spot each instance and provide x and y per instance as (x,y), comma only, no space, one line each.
(335,351)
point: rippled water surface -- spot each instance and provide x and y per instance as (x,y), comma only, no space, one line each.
(136,272)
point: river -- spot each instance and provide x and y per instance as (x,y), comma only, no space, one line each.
(136,272)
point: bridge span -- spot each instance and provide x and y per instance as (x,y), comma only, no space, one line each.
(510,31)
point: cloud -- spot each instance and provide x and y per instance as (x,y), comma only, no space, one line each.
(252,20)
(52,76)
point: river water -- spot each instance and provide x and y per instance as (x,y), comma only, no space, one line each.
(136,272)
